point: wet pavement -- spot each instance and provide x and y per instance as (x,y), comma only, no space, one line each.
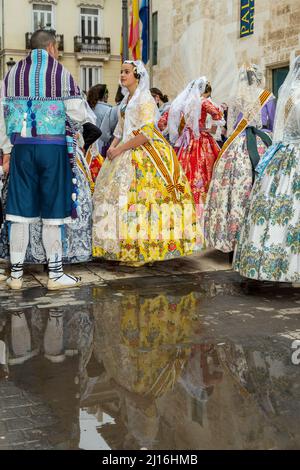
(180,360)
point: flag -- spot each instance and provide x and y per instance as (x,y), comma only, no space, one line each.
(134,36)
(144,16)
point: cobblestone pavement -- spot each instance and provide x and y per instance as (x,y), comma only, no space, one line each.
(181,355)
(101,272)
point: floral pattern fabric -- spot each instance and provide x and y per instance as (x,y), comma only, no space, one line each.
(131,197)
(269,243)
(50,116)
(163,122)
(228,195)
(198,156)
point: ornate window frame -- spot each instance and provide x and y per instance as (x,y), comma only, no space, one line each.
(51,2)
(91,4)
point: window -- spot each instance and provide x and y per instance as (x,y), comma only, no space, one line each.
(278,77)
(42,16)
(90,76)
(90,23)
(155,38)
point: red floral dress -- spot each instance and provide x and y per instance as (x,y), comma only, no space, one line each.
(198,156)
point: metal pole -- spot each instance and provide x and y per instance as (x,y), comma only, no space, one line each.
(125,30)
(150,39)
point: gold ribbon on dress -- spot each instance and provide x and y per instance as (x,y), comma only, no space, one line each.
(171,178)
(175,187)
(86,174)
(263,98)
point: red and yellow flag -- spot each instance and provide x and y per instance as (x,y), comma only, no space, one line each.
(134,37)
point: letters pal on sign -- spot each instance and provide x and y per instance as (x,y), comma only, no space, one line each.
(247,17)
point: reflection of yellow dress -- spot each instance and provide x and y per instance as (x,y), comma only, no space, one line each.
(146,343)
(143,206)
(159,340)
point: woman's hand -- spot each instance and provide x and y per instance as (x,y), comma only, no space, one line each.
(112,147)
(113,152)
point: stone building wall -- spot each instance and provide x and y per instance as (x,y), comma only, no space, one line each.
(197,37)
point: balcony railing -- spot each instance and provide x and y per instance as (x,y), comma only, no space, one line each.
(92,45)
(59,38)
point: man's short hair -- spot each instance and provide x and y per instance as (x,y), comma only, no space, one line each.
(41,39)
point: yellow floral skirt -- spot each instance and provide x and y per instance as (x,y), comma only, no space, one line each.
(139,216)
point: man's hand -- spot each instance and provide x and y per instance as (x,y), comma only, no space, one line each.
(6,163)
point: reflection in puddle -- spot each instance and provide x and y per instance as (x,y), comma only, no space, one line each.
(137,370)
(144,345)
(90,421)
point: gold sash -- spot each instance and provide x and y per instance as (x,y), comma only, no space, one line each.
(86,173)
(170,177)
(263,98)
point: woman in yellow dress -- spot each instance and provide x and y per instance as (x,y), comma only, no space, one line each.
(143,205)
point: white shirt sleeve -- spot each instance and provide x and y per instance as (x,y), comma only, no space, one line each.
(5,144)
(78,110)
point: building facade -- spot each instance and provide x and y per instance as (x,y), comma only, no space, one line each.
(213,38)
(88,32)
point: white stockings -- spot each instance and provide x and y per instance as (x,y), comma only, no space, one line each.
(19,239)
(52,241)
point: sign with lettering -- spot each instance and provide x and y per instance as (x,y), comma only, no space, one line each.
(247,18)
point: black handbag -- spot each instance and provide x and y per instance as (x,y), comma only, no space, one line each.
(91,133)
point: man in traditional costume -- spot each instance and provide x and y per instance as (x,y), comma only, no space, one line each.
(41,105)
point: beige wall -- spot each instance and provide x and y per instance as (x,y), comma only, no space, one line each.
(198,37)
(18,21)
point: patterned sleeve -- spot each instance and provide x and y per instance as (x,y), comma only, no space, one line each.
(213,110)
(163,122)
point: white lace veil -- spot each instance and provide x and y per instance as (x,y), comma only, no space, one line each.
(244,96)
(176,112)
(142,96)
(289,96)
(193,105)
(144,81)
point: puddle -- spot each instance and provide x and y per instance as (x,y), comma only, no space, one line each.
(153,364)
